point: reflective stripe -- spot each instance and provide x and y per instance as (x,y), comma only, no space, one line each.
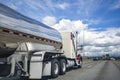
(25,35)
(16,33)
(4,30)
(31,37)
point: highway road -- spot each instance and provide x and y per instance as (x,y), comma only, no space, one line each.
(93,70)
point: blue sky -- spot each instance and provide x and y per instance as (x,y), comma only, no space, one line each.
(100,20)
(96,13)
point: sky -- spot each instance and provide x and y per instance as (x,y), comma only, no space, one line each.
(97,21)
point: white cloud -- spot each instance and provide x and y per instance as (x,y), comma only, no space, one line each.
(93,21)
(116,5)
(102,42)
(74,25)
(63,6)
(96,43)
(13,6)
(87,7)
(36,5)
(49,20)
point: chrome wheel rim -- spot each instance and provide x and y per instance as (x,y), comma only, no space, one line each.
(56,68)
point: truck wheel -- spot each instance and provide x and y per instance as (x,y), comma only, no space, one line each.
(54,68)
(62,66)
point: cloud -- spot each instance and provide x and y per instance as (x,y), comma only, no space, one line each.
(40,5)
(118,34)
(96,42)
(87,7)
(93,21)
(73,25)
(13,6)
(103,42)
(49,20)
(63,5)
(116,5)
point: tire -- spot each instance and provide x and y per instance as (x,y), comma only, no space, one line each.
(54,68)
(62,66)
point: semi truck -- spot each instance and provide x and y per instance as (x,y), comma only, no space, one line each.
(30,49)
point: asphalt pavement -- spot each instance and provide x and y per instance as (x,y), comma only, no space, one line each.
(91,70)
(94,70)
